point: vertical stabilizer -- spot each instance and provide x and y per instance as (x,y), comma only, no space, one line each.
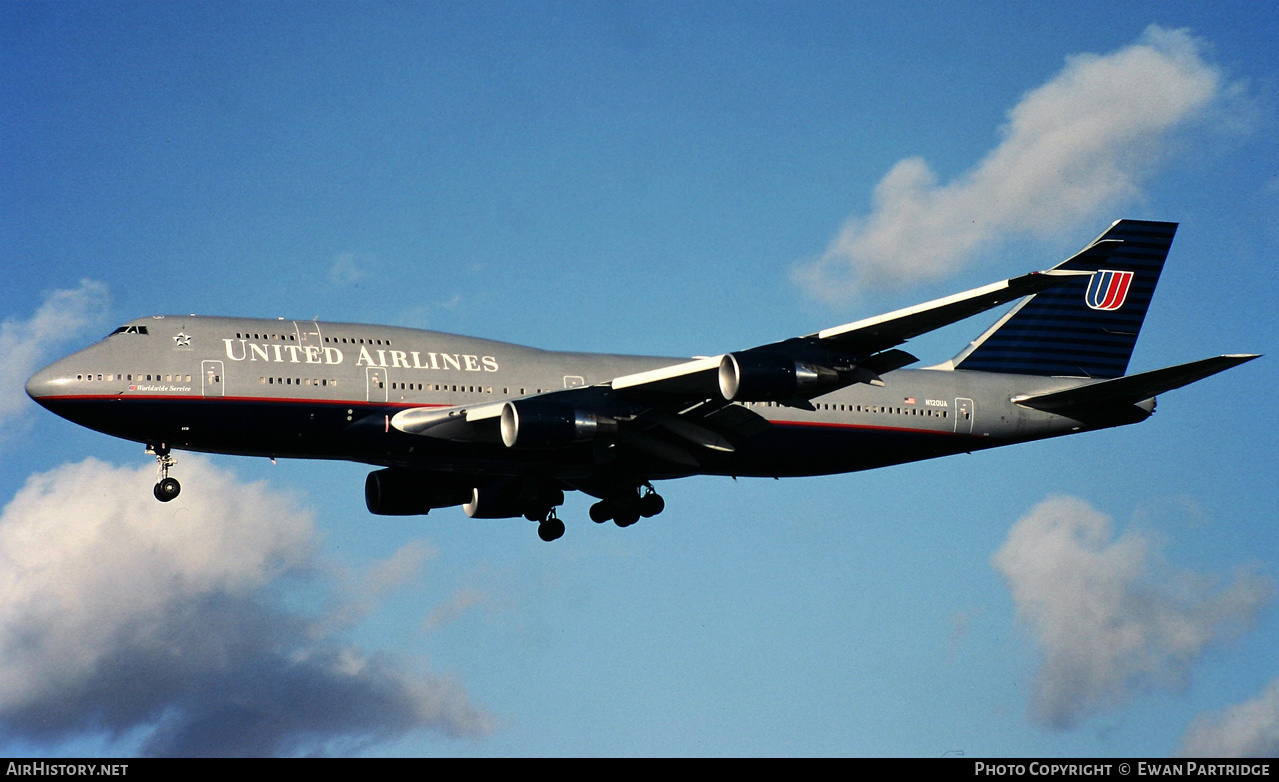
(1086,328)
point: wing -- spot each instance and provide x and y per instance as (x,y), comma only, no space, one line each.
(798,369)
(674,412)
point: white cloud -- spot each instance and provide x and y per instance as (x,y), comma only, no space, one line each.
(421,315)
(404,565)
(461,601)
(363,591)
(960,628)
(1245,730)
(1110,618)
(1073,148)
(119,613)
(351,268)
(24,344)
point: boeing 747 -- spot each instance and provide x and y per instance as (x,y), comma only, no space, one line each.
(504,430)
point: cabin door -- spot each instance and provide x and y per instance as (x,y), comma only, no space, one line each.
(375,383)
(965,411)
(211,378)
(308,332)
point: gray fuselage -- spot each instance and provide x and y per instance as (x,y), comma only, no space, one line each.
(306,389)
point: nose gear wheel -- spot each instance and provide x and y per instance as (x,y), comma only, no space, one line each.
(166,488)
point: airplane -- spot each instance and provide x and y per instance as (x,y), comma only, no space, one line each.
(504,430)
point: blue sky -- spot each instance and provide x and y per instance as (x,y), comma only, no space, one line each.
(657,178)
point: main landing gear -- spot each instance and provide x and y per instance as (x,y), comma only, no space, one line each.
(550,528)
(166,488)
(626,508)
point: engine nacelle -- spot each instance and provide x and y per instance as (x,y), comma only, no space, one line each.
(534,423)
(751,377)
(513,497)
(398,492)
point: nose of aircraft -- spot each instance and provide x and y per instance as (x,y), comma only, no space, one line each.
(47,383)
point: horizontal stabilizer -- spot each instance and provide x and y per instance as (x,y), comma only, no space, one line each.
(1131,389)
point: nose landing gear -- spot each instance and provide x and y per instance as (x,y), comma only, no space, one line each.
(166,488)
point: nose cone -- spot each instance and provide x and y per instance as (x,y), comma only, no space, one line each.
(48,383)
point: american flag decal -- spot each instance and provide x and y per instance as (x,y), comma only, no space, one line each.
(1108,289)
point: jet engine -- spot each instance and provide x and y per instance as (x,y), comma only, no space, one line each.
(513,497)
(533,423)
(752,377)
(399,492)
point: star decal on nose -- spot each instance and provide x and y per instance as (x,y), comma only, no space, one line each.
(182,340)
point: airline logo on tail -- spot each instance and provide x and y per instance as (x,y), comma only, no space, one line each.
(1107,289)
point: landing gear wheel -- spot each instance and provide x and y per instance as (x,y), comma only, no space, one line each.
(601,512)
(167,489)
(551,529)
(651,504)
(626,518)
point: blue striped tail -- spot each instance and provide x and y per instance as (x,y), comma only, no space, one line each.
(1086,328)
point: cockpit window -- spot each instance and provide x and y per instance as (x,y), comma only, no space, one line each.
(129,330)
